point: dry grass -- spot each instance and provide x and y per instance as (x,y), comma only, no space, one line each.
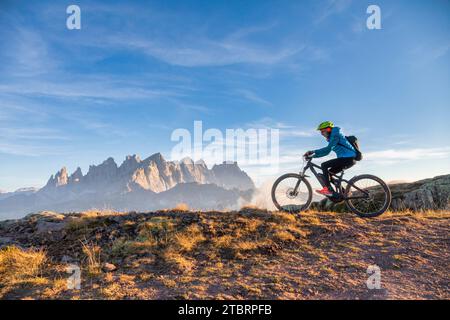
(418,214)
(18,264)
(82,224)
(223,241)
(188,238)
(92,213)
(181,207)
(85,220)
(176,260)
(92,254)
(283,236)
(157,229)
(123,248)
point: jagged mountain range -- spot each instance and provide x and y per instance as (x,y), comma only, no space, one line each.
(149,184)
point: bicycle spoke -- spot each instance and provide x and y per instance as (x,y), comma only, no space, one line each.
(289,198)
(376,197)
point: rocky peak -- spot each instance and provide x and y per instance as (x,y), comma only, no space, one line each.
(130,164)
(76,176)
(133,159)
(62,177)
(157,158)
(229,175)
(59,179)
(201,163)
(187,161)
(109,162)
(105,171)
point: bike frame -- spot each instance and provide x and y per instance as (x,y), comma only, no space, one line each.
(340,178)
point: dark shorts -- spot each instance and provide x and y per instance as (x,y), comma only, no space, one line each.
(335,166)
(339,164)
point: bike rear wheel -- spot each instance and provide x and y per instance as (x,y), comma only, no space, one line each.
(285,199)
(369,196)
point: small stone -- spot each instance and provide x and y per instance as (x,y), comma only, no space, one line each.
(108,267)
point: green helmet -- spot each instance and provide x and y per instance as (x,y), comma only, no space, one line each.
(324,125)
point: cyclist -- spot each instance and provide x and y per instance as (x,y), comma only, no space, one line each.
(341,146)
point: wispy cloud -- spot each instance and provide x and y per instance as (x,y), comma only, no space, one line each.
(31,150)
(398,155)
(28,139)
(31,133)
(331,8)
(89,88)
(183,105)
(253,97)
(200,47)
(28,54)
(286,130)
(428,53)
(199,51)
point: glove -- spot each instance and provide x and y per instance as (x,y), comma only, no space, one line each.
(308,154)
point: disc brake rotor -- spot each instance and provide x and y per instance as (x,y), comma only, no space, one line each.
(291,194)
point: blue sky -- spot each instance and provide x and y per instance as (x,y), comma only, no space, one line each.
(138,70)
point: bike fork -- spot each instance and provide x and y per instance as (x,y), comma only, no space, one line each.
(302,174)
(296,186)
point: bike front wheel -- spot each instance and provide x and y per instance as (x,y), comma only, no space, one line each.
(291,193)
(368,196)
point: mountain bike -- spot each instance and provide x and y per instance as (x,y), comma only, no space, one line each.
(365,195)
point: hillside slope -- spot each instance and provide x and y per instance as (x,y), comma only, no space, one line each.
(427,194)
(247,254)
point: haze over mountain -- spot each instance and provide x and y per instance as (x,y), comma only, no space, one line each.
(149,184)
(20,191)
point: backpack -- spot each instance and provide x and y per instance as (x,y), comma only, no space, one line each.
(354,142)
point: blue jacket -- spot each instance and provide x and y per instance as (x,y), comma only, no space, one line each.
(337,143)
